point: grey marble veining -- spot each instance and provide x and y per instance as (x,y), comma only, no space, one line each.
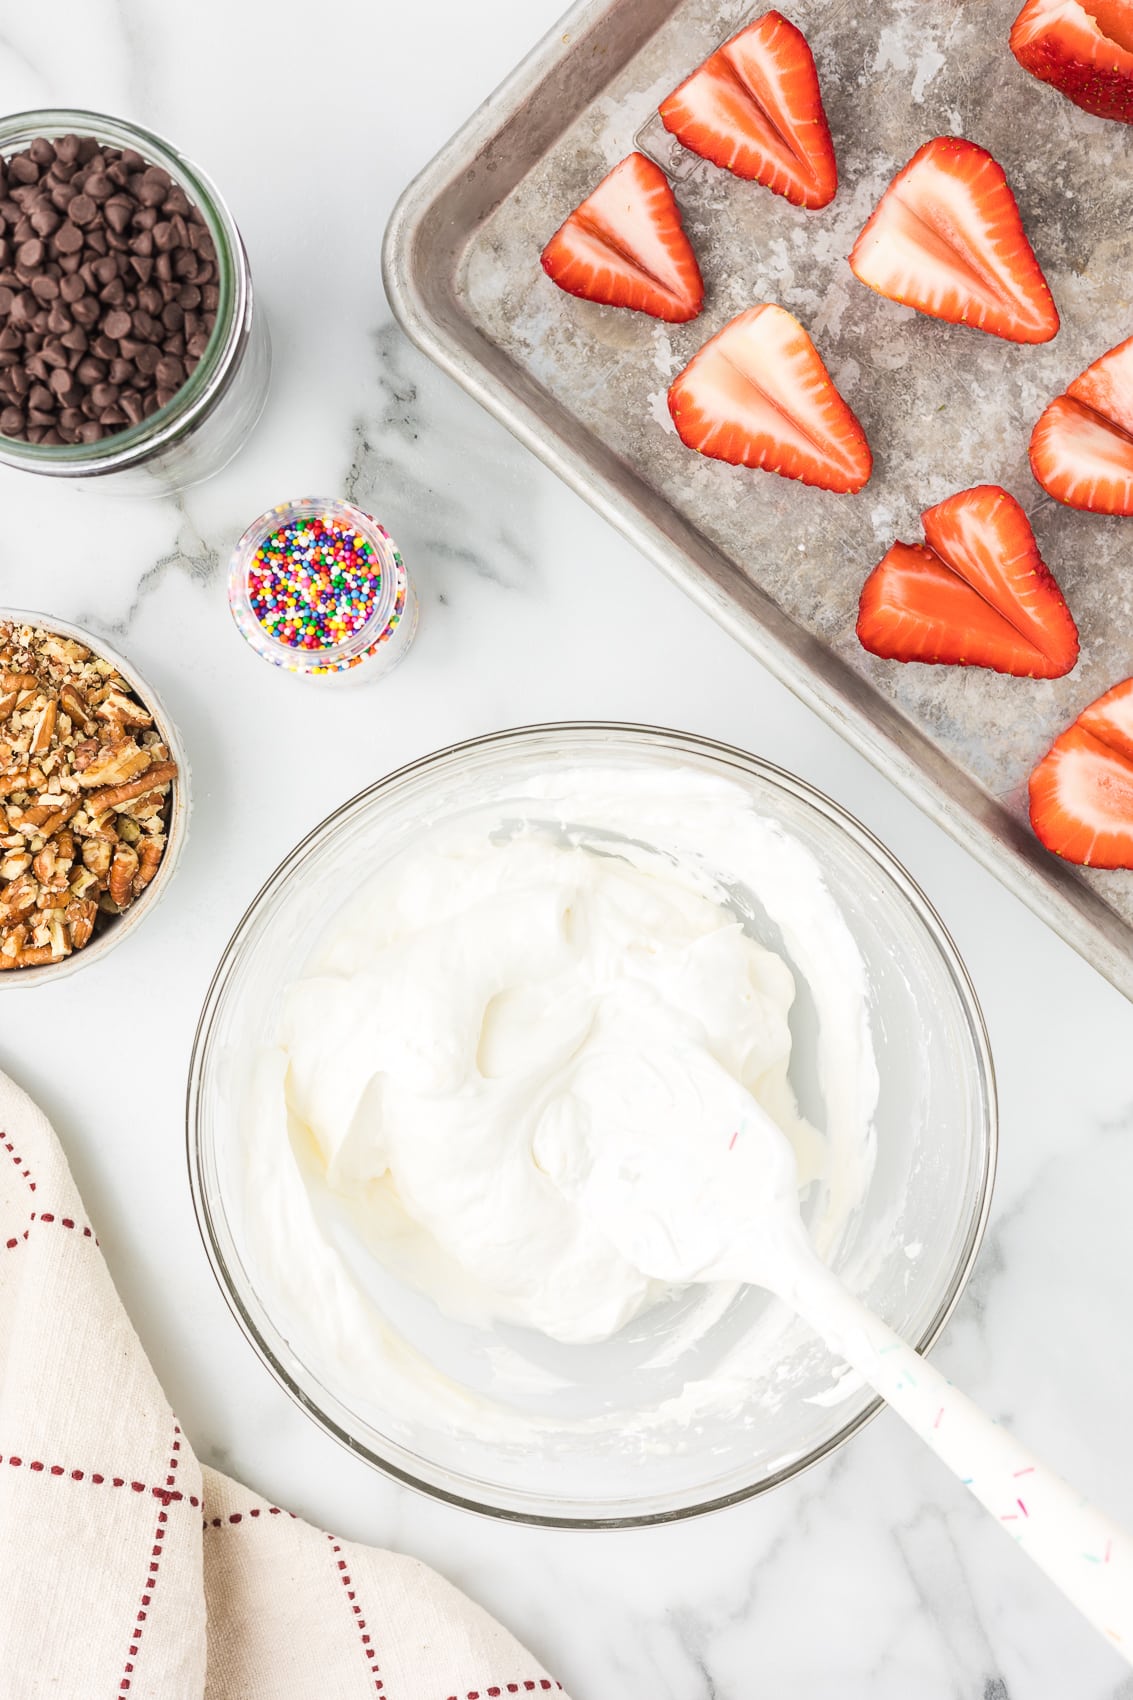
(871,1578)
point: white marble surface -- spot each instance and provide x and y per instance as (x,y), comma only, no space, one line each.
(873,1575)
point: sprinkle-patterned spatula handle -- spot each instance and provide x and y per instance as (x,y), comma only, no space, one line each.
(1085,1555)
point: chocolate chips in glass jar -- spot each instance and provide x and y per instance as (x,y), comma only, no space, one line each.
(108,290)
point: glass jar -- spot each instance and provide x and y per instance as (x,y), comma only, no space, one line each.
(202,427)
(273,606)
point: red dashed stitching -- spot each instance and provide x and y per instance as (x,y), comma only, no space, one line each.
(158,1543)
(165,1495)
(529,1687)
(18,1161)
(60,1221)
(367,1646)
(238,1516)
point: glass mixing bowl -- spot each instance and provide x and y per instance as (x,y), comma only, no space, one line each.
(520,1426)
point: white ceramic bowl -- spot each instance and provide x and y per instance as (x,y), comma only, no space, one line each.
(121,926)
(583,1444)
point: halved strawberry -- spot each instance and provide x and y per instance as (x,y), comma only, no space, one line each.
(1082,446)
(758,395)
(1081,793)
(1083,48)
(978,594)
(624,246)
(946,238)
(755,108)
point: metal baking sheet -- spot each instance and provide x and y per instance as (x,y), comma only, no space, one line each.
(781,565)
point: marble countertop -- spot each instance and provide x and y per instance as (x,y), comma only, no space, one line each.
(873,1575)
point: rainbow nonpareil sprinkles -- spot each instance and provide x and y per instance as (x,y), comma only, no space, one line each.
(318,587)
(314,583)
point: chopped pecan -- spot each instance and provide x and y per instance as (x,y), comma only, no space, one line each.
(150,852)
(32,956)
(123,871)
(44,728)
(84,793)
(80,917)
(96,856)
(18,898)
(162,773)
(116,763)
(123,710)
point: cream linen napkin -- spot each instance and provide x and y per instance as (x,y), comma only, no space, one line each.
(130,1571)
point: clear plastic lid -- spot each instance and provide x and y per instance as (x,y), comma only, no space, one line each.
(319,588)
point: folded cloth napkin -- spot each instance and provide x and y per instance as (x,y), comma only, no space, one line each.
(131,1571)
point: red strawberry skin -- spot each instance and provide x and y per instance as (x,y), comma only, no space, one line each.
(755,108)
(946,238)
(914,608)
(984,535)
(757,394)
(625,246)
(1083,50)
(977,594)
(1081,793)
(1082,446)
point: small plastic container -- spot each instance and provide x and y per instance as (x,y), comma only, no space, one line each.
(208,420)
(333,626)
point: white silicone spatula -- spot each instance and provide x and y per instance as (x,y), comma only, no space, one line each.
(724,1206)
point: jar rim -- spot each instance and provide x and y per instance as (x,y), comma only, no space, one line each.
(210,377)
(354,647)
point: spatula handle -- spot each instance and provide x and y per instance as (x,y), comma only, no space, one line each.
(1085,1555)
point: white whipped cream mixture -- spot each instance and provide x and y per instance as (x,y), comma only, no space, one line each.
(524,984)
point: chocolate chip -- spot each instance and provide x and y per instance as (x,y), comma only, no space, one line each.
(45,220)
(12,422)
(108,292)
(170,373)
(154,186)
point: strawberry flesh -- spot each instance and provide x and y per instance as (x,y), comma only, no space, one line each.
(1083,48)
(1082,446)
(758,395)
(1081,793)
(625,247)
(977,594)
(946,238)
(755,108)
